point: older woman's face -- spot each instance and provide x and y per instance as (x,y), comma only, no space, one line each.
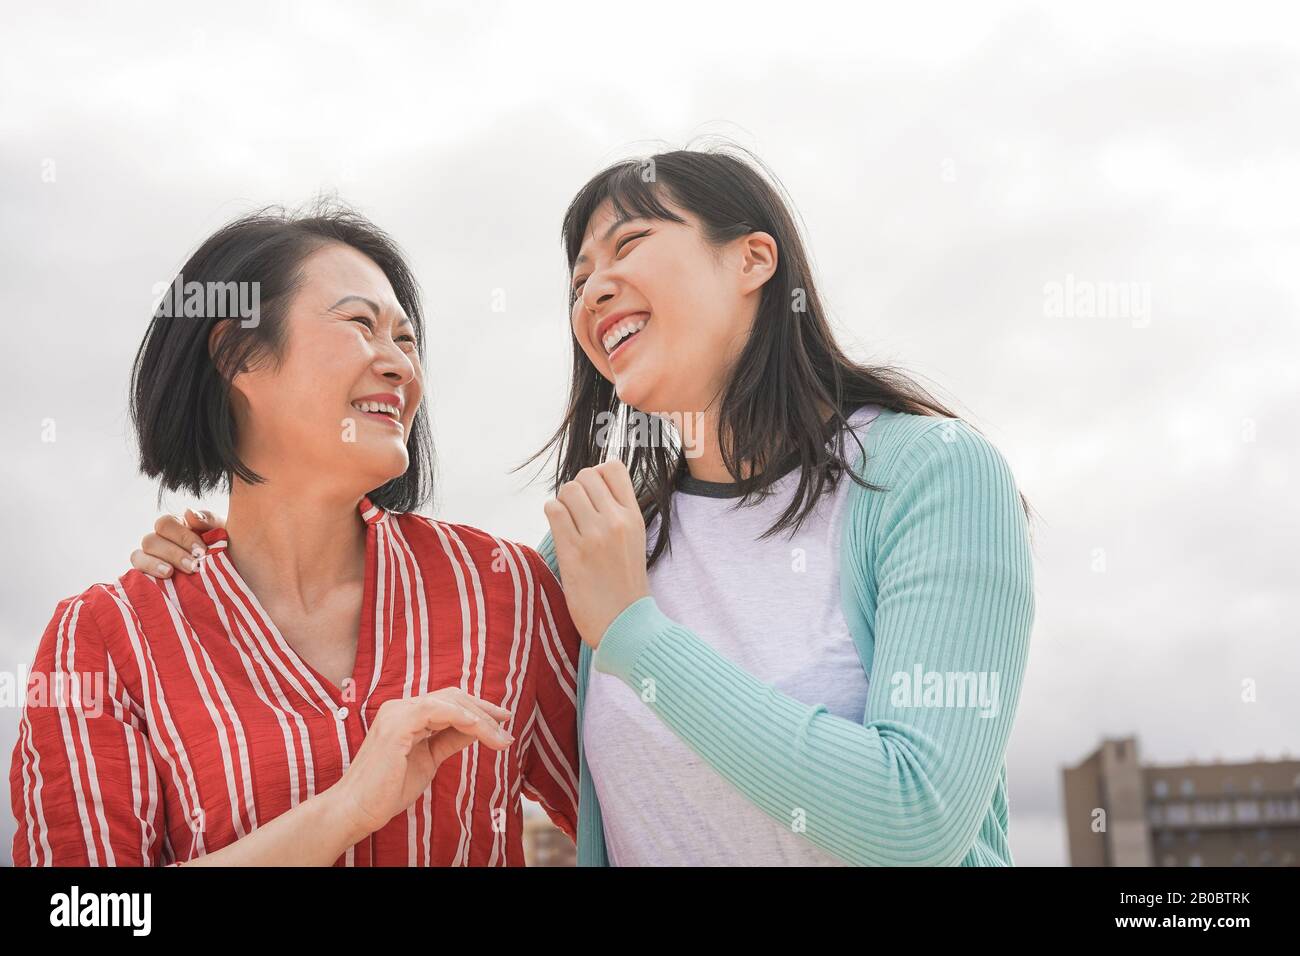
(340,402)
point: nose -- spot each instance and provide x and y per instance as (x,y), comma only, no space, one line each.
(395,365)
(597,291)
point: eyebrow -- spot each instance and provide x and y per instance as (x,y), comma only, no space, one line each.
(373,305)
(609,232)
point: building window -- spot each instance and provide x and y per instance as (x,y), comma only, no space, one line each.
(1188,789)
(1161,789)
(1171,860)
(1194,860)
(1256,785)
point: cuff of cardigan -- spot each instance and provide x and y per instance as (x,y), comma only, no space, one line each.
(638,626)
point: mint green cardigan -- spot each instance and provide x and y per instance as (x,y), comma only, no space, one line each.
(936,576)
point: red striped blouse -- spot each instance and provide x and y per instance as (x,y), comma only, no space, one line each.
(167,719)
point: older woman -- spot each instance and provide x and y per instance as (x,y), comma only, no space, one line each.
(338,680)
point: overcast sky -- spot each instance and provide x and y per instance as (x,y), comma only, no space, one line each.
(967,180)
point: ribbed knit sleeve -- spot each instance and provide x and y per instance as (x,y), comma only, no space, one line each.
(940,568)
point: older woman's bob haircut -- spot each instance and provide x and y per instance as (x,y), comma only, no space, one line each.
(180,393)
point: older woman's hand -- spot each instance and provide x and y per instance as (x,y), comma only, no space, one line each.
(600,542)
(408,740)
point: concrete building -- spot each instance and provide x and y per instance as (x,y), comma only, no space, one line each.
(1121,813)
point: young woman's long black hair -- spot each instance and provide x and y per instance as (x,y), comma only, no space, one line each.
(771,410)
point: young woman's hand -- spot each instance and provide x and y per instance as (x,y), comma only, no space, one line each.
(174,544)
(409,738)
(599,538)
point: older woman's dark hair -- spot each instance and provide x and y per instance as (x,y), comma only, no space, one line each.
(180,392)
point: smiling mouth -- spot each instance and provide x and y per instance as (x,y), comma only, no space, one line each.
(622,333)
(380,410)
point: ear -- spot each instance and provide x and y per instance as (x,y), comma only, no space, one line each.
(220,328)
(214,336)
(233,376)
(758,260)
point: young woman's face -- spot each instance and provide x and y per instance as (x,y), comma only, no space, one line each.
(694,306)
(342,398)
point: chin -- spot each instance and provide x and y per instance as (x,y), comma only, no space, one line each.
(383,464)
(634,391)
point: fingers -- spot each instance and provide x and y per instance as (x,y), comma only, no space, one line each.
(499,713)
(469,715)
(619,481)
(472,723)
(445,721)
(159,549)
(150,565)
(561,522)
(201,521)
(171,528)
(449,742)
(605,489)
(486,728)
(574,497)
(167,523)
(593,483)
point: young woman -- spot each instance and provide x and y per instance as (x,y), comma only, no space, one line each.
(338,680)
(805,617)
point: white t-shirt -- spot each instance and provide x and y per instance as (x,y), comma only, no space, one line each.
(771,606)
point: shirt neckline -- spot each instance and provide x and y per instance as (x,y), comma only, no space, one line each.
(336,698)
(698,487)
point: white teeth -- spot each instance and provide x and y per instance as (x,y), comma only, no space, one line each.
(620,332)
(376,407)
